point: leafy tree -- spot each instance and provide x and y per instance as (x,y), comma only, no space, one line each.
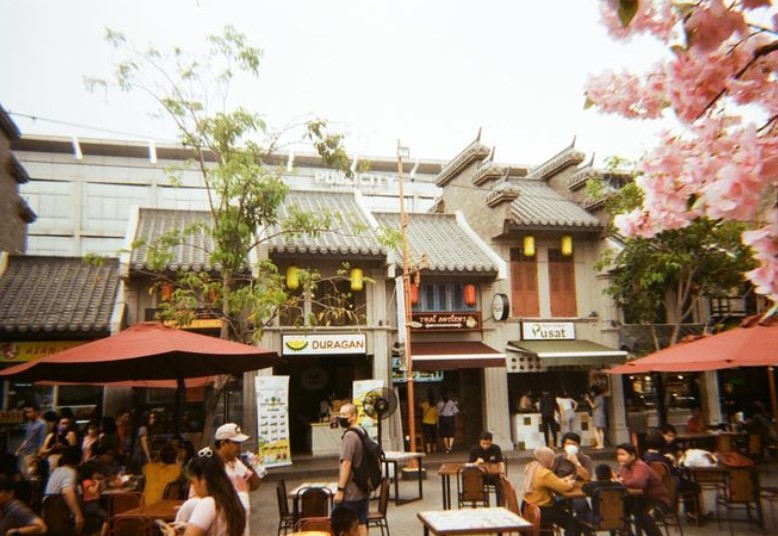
(673,270)
(232,149)
(719,83)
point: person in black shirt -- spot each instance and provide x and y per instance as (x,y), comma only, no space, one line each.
(488,452)
(547,408)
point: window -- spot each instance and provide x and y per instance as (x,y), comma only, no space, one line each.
(442,297)
(524,284)
(561,282)
(335,304)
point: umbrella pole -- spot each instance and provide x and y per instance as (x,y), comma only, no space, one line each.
(659,382)
(773,398)
(180,389)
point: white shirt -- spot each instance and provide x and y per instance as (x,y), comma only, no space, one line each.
(201,512)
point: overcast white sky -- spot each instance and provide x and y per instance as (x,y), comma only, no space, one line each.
(428,72)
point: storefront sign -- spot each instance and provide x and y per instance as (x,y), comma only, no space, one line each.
(273,420)
(431,322)
(203,319)
(339,178)
(345,343)
(17,352)
(547,331)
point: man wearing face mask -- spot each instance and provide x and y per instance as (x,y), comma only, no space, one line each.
(349,495)
(572,461)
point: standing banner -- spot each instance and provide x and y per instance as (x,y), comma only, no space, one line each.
(360,389)
(273,420)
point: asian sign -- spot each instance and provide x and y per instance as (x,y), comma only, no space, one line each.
(432,322)
(17,352)
(345,343)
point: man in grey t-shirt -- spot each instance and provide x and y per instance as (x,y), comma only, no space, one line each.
(349,495)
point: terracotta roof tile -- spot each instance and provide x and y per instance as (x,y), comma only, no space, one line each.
(57,295)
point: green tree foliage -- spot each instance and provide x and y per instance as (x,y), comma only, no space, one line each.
(673,270)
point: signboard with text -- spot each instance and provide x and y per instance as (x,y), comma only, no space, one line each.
(321,344)
(432,322)
(547,331)
(273,420)
(17,352)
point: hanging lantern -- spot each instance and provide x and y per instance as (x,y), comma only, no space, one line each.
(414,294)
(529,246)
(357,279)
(470,298)
(292,278)
(567,245)
(166,291)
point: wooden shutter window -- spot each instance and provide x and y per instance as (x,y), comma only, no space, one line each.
(525,298)
(561,283)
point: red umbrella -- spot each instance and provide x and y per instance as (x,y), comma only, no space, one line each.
(753,344)
(146,351)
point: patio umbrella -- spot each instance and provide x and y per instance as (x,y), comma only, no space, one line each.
(146,351)
(752,344)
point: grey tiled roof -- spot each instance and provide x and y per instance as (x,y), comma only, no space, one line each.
(154,223)
(539,205)
(446,244)
(350,234)
(57,295)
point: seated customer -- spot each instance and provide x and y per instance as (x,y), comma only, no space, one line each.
(105,462)
(488,452)
(159,474)
(344,522)
(605,479)
(539,486)
(572,461)
(670,448)
(15,517)
(64,480)
(635,473)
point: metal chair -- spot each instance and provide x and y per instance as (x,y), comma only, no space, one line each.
(285,518)
(377,518)
(532,514)
(313,524)
(56,514)
(742,491)
(609,511)
(470,487)
(671,518)
(312,501)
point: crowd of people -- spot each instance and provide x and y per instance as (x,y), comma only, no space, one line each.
(55,458)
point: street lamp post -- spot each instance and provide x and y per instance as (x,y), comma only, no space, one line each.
(403,151)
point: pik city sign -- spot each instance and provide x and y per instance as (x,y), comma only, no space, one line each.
(365,180)
(316,344)
(547,331)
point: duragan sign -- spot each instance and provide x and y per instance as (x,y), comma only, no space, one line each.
(354,343)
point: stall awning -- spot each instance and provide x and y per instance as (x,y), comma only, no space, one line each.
(564,353)
(454,355)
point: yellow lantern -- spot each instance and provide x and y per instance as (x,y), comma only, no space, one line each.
(529,246)
(292,278)
(357,280)
(567,245)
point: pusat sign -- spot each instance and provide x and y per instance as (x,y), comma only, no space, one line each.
(547,331)
(354,343)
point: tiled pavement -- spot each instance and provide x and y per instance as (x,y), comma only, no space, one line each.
(402,519)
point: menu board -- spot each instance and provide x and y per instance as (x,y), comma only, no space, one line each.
(361,388)
(273,420)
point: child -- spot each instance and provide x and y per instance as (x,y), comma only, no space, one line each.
(344,522)
(91,487)
(605,479)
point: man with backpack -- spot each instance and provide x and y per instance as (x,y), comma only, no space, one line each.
(352,453)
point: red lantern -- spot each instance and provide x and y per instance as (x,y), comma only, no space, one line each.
(166,291)
(470,295)
(414,294)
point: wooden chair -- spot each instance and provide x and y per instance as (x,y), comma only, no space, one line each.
(176,490)
(532,514)
(377,518)
(56,514)
(609,511)
(659,468)
(129,526)
(672,517)
(285,518)
(470,486)
(123,501)
(312,502)
(741,492)
(313,523)
(509,498)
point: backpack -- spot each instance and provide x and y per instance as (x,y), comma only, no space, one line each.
(367,476)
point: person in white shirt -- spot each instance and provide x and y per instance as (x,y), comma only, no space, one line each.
(567,407)
(245,478)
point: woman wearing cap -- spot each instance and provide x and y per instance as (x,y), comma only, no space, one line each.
(245,479)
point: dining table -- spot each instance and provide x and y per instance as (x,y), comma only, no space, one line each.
(447,470)
(165,510)
(394,458)
(490,520)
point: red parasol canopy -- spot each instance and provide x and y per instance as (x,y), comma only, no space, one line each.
(753,344)
(146,351)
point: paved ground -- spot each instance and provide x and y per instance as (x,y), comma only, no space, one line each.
(402,519)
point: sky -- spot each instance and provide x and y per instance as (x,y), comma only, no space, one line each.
(429,73)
